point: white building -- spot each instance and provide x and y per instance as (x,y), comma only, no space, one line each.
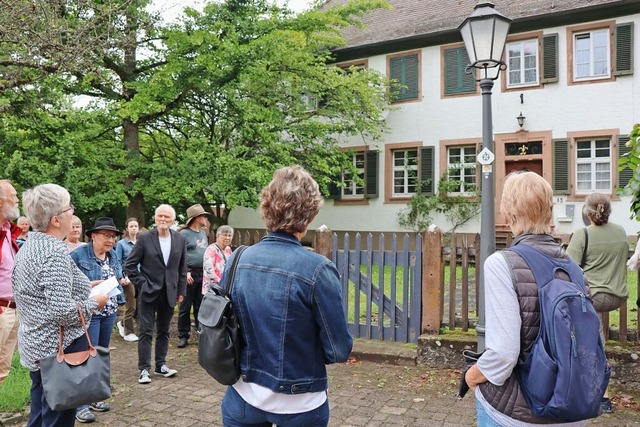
(572,73)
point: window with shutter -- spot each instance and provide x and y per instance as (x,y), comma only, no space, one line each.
(624,175)
(591,52)
(561,166)
(623,53)
(549,58)
(404,72)
(456,80)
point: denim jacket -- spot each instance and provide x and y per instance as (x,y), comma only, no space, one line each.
(85,259)
(289,306)
(123,249)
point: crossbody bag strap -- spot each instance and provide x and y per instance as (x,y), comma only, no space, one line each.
(229,278)
(583,261)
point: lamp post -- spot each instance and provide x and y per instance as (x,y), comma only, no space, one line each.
(484,34)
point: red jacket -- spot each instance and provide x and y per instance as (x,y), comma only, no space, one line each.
(15,233)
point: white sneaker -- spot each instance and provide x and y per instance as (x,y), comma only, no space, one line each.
(165,371)
(144,377)
(131,337)
(121,329)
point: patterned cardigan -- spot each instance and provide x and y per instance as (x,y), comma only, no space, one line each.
(47,287)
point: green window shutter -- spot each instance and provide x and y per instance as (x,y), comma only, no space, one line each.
(456,81)
(427,166)
(549,58)
(561,166)
(624,175)
(404,71)
(371,174)
(623,52)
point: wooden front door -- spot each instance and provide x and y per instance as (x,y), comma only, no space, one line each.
(534,165)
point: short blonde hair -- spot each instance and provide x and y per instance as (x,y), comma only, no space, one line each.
(290,201)
(527,203)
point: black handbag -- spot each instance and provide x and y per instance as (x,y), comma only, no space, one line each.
(75,379)
(220,341)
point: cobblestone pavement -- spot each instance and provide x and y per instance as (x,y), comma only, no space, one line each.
(361,394)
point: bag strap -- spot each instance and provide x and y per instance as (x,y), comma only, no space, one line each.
(583,261)
(544,267)
(92,350)
(231,273)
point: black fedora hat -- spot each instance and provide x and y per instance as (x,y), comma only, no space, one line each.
(103,224)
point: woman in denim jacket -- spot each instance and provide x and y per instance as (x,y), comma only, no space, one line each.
(289,306)
(98,261)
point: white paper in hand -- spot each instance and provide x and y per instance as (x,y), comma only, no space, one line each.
(109,287)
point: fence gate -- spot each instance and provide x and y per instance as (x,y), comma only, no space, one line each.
(381,288)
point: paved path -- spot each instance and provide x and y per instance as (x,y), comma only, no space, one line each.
(361,394)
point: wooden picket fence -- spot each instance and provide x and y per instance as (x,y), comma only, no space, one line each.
(440,301)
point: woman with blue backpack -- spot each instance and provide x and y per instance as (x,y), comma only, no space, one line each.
(532,371)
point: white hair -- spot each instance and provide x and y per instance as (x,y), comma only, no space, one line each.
(169,207)
(43,202)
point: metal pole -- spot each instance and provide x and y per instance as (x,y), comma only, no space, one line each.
(487,217)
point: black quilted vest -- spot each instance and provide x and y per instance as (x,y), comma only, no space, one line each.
(508,398)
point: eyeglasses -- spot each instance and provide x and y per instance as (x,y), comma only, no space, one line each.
(108,236)
(70,208)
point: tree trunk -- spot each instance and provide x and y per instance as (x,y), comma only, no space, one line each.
(132,144)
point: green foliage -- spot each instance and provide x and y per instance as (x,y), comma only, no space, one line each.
(14,390)
(631,161)
(457,208)
(201,111)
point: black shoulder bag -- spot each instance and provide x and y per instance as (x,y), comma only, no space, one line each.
(220,340)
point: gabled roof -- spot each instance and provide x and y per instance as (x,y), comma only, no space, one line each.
(413,20)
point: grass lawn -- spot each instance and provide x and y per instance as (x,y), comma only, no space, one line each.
(14,391)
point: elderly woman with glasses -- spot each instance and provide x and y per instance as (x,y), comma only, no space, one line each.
(49,288)
(98,261)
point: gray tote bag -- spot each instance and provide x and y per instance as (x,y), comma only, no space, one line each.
(75,379)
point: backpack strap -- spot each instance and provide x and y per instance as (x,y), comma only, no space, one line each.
(231,273)
(583,261)
(544,267)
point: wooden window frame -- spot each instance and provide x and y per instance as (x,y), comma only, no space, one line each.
(445,145)
(573,137)
(504,75)
(571,32)
(388,169)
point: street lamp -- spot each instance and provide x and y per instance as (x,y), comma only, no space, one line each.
(484,34)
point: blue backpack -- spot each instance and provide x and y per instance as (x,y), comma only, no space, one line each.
(565,375)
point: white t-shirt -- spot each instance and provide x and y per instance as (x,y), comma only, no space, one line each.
(277,403)
(165,247)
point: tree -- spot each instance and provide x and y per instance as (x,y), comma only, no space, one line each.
(204,110)
(631,160)
(262,95)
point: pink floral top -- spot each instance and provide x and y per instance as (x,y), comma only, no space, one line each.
(213,265)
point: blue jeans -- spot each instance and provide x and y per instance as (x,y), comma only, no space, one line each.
(41,414)
(238,413)
(100,330)
(484,420)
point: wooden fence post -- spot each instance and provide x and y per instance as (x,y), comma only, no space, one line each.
(432,286)
(323,243)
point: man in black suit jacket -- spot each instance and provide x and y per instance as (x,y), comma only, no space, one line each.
(157,266)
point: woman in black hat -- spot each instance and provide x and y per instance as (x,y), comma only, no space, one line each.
(98,261)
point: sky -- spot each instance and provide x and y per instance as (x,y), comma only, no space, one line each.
(171,8)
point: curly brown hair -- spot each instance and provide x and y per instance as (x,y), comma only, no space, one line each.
(290,201)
